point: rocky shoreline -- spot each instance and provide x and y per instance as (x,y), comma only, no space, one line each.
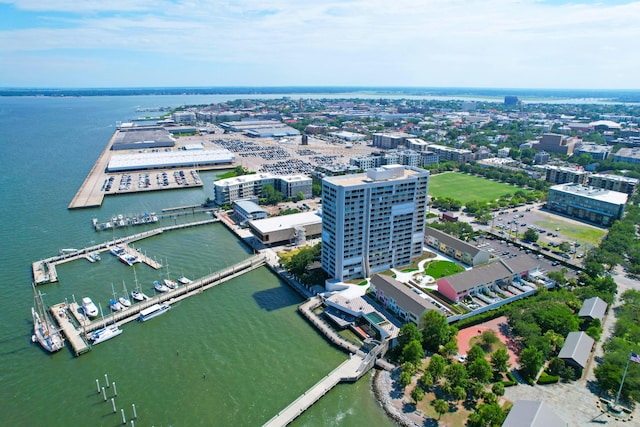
(382,386)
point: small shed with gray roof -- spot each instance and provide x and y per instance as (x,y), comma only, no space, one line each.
(593,308)
(532,413)
(576,349)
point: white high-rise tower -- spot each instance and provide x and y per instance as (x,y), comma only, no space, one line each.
(373,221)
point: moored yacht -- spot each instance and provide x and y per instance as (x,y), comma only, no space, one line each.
(139,296)
(89,308)
(184,280)
(153,311)
(44,331)
(115,305)
(171,284)
(160,287)
(103,334)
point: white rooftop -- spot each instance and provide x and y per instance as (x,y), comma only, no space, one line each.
(601,194)
(284,222)
(132,161)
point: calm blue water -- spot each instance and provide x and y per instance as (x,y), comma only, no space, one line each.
(234,355)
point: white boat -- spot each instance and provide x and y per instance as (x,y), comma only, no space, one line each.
(171,284)
(153,311)
(160,287)
(89,308)
(184,280)
(115,305)
(95,257)
(103,334)
(124,299)
(117,250)
(139,296)
(44,331)
(129,259)
(126,302)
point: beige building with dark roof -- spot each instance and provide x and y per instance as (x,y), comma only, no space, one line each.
(406,302)
(455,248)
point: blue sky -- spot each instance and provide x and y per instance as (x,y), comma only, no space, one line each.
(459,43)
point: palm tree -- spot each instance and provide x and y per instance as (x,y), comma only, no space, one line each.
(441,407)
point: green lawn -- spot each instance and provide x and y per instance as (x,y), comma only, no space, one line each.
(438,269)
(574,232)
(463,187)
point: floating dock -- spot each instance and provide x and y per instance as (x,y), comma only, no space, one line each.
(44,271)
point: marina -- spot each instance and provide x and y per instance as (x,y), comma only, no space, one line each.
(72,132)
(76,333)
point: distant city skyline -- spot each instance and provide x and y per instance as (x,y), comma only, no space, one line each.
(555,44)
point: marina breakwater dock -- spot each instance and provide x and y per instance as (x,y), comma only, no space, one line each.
(76,326)
(44,271)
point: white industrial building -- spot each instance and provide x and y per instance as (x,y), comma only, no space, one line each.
(288,229)
(170,159)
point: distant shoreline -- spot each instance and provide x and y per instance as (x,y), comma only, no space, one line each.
(492,94)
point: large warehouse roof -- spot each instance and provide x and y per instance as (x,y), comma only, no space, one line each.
(148,160)
(135,137)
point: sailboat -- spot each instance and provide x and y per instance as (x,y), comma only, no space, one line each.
(137,293)
(182,279)
(124,299)
(114,303)
(44,331)
(171,284)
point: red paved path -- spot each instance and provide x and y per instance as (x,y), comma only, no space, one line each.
(499,325)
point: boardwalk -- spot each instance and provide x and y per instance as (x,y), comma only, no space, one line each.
(349,370)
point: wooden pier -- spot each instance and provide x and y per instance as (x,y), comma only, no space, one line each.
(74,336)
(349,370)
(44,271)
(75,326)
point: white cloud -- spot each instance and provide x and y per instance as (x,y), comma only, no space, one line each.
(432,42)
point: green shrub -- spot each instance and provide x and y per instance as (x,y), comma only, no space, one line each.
(548,379)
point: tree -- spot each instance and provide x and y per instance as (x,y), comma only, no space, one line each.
(408,332)
(556,365)
(498,389)
(480,369)
(488,338)
(487,415)
(456,373)
(426,381)
(530,362)
(450,348)
(441,407)
(531,235)
(436,367)
(475,353)
(404,379)
(499,360)
(436,331)
(417,394)
(413,352)
(459,393)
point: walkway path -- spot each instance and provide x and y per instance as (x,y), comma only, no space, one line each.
(349,370)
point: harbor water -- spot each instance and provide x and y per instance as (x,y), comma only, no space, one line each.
(234,355)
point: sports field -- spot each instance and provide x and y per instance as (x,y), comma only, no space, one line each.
(466,188)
